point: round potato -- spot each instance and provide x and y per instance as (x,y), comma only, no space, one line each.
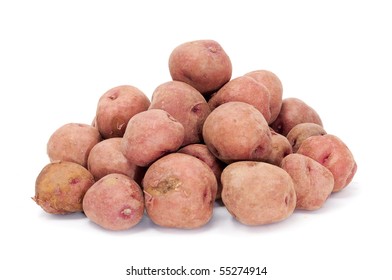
(185,104)
(237,131)
(73,142)
(115,202)
(280,147)
(302,131)
(313,182)
(257,193)
(179,191)
(331,152)
(203,64)
(61,186)
(116,107)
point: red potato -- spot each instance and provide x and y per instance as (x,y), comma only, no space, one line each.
(313,182)
(275,88)
(106,157)
(257,193)
(179,191)
(115,202)
(280,148)
(185,104)
(61,186)
(150,135)
(116,107)
(237,131)
(243,89)
(201,152)
(302,131)
(73,142)
(203,64)
(294,111)
(333,153)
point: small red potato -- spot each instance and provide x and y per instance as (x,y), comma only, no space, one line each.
(244,89)
(257,193)
(313,182)
(115,202)
(201,152)
(179,191)
(61,186)
(302,131)
(106,157)
(116,107)
(237,131)
(275,88)
(294,111)
(331,152)
(150,135)
(280,147)
(185,104)
(203,64)
(73,142)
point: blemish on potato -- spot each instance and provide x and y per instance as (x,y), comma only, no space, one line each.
(167,185)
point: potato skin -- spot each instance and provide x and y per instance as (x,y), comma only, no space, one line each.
(150,135)
(280,147)
(115,202)
(294,111)
(61,186)
(72,142)
(257,193)
(313,182)
(116,107)
(203,64)
(179,191)
(243,89)
(237,131)
(302,131)
(273,84)
(185,104)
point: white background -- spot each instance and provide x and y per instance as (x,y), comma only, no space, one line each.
(58,57)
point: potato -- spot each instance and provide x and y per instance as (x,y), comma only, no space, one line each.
(61,186)
(294,111)
(313,182)
(302,131)
(203,64)
(275,88)
(73,142)
(116,107)
(115,202)
(179,191)
(106,157)
(257,193)
(237,131)
(331,152)
(150,135)
(201,152)
(280,147)
(185,104)
(244,89)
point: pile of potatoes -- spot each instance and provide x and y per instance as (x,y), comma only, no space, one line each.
(202,137)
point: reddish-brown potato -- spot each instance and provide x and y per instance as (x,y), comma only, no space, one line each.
(116,107)
(294,111)
(275,88)
(73,142)
(106,157)
(313,182)
(150,135)
(244,89)
(302,131)
(257,193)
(115,202)
(203,64)
(330,151)
(61,186)
(237,131)
(185,104)
(201,152)
(179,191)
(280,147)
